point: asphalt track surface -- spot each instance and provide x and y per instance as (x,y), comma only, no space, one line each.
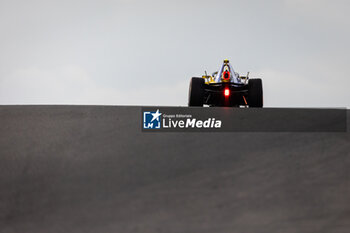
(91,169)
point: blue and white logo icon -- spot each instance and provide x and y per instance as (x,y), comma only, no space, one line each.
(151,120)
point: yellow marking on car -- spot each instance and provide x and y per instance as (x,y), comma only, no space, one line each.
(245,101)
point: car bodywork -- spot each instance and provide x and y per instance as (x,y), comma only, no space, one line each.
(225,88)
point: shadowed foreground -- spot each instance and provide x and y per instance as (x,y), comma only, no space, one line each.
(91,169)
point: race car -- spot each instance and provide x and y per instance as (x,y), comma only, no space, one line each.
(225,88)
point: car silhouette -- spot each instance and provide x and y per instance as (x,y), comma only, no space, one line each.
(225,88)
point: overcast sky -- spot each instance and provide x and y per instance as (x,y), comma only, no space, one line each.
(137,52)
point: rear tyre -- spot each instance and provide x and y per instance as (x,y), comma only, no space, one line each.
(255,93)
(196,92)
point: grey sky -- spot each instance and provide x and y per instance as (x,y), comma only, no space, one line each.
(131,52)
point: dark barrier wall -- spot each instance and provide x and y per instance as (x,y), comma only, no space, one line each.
(92,169)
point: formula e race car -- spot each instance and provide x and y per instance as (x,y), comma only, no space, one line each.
(225,88)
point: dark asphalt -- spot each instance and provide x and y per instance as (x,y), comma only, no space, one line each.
(91,169)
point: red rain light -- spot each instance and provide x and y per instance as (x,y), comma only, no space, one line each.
(227,92)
